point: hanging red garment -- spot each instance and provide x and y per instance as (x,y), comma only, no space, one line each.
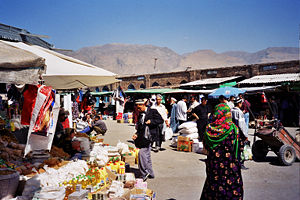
(44,112)
(264,98)
(66,123)
(30,95)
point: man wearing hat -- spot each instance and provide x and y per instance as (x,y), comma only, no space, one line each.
(159,138)
(146,127)
(238,119)
(173,119)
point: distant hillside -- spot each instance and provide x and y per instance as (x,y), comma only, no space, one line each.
(129,59)
(272,54)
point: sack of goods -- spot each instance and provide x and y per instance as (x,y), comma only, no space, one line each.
(188,125)
(189,129)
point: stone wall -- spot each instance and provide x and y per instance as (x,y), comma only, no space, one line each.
(176,78)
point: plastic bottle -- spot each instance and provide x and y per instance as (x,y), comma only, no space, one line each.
(122,168)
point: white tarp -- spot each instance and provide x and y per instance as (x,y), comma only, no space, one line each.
(263,88)
(210,81)
(190,91)
(64,72)
(18,66)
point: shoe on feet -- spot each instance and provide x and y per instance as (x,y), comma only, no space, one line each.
(155,149)
(244,167)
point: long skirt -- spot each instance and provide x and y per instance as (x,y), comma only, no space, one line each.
(223,172)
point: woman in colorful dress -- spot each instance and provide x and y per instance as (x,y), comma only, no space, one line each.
(223,169)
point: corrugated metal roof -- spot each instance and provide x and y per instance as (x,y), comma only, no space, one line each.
(15,34)
(275,78)
(210,81)
(263,88)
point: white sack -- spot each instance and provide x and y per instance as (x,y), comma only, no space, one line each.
(188,125)
(191,136)
(188,131)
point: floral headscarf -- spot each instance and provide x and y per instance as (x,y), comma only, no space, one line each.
(221,127)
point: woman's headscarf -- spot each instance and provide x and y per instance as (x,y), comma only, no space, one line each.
(221,127)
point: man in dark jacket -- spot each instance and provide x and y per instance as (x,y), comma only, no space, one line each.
(201,113)
(147,126)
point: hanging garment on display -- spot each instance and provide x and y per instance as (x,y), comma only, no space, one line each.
(43,121)
(28,104)
(68,107)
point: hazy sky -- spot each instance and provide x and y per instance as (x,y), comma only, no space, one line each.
(181,25)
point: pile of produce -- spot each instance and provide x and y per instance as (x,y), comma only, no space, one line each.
(59,152)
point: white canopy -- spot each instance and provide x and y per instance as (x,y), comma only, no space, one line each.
(64,72)
(18,66)
(190,91)
(274,78)
(210,81)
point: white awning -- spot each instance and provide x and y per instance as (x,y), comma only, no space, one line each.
(64,72)
(255,89)
(190,91)
(210,81)
(18,66)
(276,78)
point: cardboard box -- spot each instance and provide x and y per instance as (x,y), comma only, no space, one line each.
(184,144)
(111,175)
(129,158)
(137,194)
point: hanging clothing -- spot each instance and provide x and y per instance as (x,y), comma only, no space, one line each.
(30,95)
(75,110)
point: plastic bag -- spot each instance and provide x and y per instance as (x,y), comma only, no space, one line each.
(49,193)
(123,148)
(168,133)
(247,153)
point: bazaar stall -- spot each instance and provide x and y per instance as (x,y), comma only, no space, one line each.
(37,169)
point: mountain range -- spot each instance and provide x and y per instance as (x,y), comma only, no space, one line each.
(132,59)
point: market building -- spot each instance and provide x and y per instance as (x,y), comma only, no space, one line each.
(174,79)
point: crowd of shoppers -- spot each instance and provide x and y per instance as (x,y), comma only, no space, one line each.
(223,135)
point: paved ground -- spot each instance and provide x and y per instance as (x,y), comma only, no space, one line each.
(181,175)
